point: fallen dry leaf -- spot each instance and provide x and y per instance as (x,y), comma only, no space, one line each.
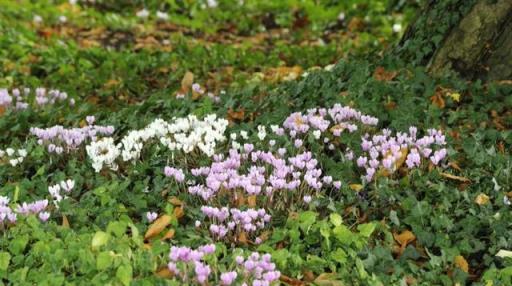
(236,115)
(251,201)
(169,234)
(65,221)
(158,226)
(461,263)
(404,239)
(291,281)
(175,201)
(242,238)
(457,178)
(356,187)
(438,100)
(328,279)
(164,272)
(482,199)
(178,212)
(381,74)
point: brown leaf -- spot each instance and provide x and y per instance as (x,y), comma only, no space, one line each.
(291,281)
(461,263)
(437,99)
(328,279)
(381,74)
(355,24)
(158,226)
(169,234)
(178,212)
(187,81)
(283,73)
(236,115)
(403,239)
(457,178)
(165,273)
(175,201)
(251,201)
(242,238)
(65,222)
(482,199)
(309,276)
(455,165)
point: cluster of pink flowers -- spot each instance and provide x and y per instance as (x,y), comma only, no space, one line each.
(9,215)
(18,99)
(232,221)
(259,269)
(384,150)
(175,173)
(183,256)
(318,120)
(59,139)
(259,172)
(256,269)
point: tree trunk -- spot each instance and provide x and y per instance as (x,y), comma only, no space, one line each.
(472,38)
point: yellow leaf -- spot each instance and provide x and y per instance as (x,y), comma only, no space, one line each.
(482,199)
(356,187)
(158,226)
(461,263)
(455,96)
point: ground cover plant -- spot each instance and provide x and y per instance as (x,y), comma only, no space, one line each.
(245,143)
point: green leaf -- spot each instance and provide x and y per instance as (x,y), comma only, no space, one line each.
(5,259)
(124,273)
(100,238)
(366,229)
(343,234)
(104,260)
(18,244)
(307,219)
(336,219)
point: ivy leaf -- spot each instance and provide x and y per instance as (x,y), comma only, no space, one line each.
(100,238)
(5,259)
(124,273)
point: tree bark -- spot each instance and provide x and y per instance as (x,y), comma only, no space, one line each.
(474,41)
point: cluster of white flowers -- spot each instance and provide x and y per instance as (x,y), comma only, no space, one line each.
(182,134)
(160,15)
(103,153)
(14,157)
(55,190)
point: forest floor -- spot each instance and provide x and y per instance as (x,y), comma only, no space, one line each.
(231,142)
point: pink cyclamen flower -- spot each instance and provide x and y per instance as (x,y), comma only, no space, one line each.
(151,216)
(44,216)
